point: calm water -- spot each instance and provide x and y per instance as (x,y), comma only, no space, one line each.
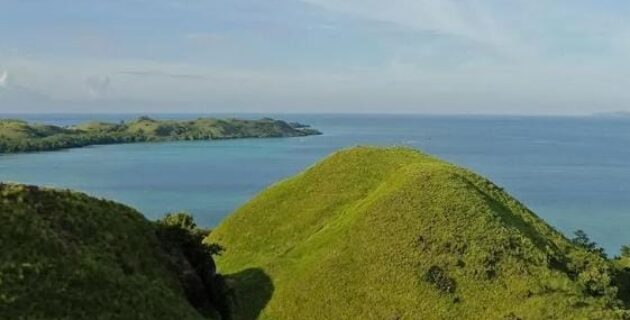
(574,172)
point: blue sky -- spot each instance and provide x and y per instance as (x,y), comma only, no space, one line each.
(401,56)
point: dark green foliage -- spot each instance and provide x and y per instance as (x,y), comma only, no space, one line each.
(19,136)
(512,316)
(145,118)
(442,282)
(192,260)
(581,239)
(64,255)
(179,230)
(622,281)
(595,275)
(622,275)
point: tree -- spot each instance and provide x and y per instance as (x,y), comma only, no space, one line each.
(582,239)
(625,251)
(182,220)
(193,258)
(145,118)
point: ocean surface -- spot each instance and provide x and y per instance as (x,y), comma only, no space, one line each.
(572,171)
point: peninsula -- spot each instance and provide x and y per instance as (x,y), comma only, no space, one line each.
(21,136)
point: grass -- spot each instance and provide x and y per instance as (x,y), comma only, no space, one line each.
(68,256)
(368,233)
(373,233)
(17,129)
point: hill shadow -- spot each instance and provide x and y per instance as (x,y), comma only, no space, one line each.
(251,289)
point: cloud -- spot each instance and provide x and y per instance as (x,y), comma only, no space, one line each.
(555,89)
(160,74)
(466,19)
(98,86)
(15,95)
(514,30)
(4,77)
(440,56)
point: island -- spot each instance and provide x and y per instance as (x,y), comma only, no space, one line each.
(21,136)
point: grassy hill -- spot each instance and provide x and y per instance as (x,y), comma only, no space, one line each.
(18,130)
(368,233)
(68,256)
(20,136)
(373,233)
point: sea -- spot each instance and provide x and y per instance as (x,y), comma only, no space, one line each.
(574,172)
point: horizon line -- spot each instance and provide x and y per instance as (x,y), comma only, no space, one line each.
(610,114)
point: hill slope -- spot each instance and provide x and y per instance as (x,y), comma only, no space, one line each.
(375,233)
(68,256)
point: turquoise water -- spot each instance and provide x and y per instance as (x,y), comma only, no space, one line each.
(573,172)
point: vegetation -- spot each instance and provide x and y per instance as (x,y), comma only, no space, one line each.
(68,256)
(192,260)
(621,265)
(581,239)
(20,136)
(368,233)
(374,233)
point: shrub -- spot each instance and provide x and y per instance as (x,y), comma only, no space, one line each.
(438,277)
(581,239)
(193,260)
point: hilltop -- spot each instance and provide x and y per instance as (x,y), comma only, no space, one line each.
(69,256)
(372,233)
(20,136)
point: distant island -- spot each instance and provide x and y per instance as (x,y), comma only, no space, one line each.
(21,136)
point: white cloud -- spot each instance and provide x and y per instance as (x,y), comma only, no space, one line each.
(98,87)
(4,77)
(522,56)
(516,30)
(406,88)
(467,19)
(14,96)
(160,74)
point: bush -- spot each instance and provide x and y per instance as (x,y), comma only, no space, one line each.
(438,277)
(581,239)
(193,260)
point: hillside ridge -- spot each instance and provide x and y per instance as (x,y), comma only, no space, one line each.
(66,255)
(391,233)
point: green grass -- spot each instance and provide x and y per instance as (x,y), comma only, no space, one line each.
(19,136)
(368,233)
(12,129)
(373,233)
(69,256)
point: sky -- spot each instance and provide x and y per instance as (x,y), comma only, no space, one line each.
(561,57)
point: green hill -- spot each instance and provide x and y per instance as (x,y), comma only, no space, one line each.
(373,233)
(368,233)
(68,256)
(11,129)
(20,136)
